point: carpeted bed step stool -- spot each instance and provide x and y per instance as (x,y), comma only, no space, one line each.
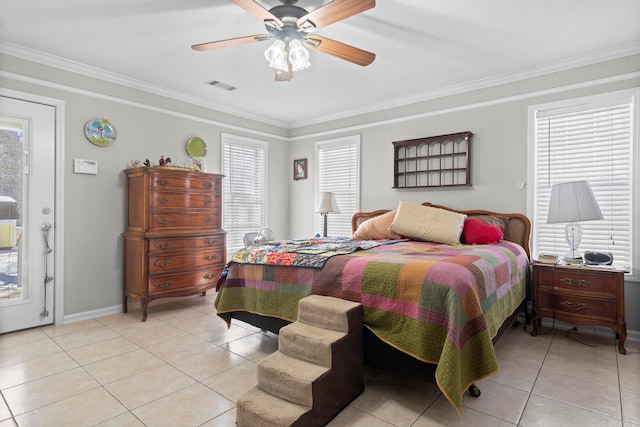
(316,372)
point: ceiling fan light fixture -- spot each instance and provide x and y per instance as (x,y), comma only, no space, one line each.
(298,55)
(276,55)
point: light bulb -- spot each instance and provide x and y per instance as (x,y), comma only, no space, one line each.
(298,55)
(276,54)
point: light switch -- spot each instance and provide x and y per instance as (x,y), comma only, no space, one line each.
(89,167)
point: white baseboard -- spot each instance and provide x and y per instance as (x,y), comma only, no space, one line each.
(76,317)
(132,305)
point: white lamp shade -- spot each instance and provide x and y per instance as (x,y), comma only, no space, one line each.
(572,202)
(328,203)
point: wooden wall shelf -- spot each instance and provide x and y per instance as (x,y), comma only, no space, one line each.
(436,161)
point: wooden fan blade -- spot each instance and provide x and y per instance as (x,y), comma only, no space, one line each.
(335,11)
(230,42)
(340,50)
(257,10)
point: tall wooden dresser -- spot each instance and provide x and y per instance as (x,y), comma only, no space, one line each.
(174,244)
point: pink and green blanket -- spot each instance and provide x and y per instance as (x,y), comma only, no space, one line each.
(441,304)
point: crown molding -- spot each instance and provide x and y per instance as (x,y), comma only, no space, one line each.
(100,74)
(567,64)
(550,68)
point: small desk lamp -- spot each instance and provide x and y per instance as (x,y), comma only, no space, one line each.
(572,202)
(327,206)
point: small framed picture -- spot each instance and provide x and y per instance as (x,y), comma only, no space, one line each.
(299,169)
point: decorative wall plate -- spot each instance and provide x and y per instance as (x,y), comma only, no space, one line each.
(100,132)
(196,147)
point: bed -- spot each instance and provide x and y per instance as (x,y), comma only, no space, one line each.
(432,310)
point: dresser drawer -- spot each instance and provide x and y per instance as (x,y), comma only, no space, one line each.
(588,281)
(168,244)
(166,199)
(167,220)
(184,281)
(161,264)
(578,305)
(167,181)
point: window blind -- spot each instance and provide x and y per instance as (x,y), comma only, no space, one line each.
(592,142)
(244,203)
(338,164)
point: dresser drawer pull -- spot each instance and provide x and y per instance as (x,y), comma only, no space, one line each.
(163,220)
(208,201)
(210,242)
(163,284)
(163,182)
(207,220)
(210,257)
(209,276)
(580,283)
(208,185)
(166,263)
(579,307)
(166,245)
(163,200)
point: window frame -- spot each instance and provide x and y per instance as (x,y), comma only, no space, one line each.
(587,103)
(235,140)
(345,206)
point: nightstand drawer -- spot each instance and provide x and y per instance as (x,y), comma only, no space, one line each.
(581,295)
(575,278)
(578,305)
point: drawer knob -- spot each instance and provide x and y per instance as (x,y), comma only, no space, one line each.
(207,220)
(166,245)
(163,200)
(210,242)
(209,276)
(579,307)
(166,263)
(163,182)
(163,220)
(210,257)
(208,185)
(163,284)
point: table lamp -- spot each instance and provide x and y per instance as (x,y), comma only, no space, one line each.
(327,206)
(573,202)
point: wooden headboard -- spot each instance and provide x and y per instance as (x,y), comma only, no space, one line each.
(518,228)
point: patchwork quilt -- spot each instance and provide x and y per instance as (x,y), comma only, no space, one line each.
(441,304)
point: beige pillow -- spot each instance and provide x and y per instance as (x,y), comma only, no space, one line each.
(376,228)
(428,223)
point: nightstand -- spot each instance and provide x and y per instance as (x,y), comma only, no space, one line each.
(579,295)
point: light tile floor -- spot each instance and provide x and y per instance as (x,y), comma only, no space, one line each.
(183,367)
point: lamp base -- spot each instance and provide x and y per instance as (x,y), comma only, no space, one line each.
(573,234)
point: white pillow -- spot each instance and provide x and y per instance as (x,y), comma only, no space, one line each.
(428,223)
(377,228)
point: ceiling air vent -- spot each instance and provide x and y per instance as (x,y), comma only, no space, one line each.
(221,85)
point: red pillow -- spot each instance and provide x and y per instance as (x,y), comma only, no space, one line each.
(476,231)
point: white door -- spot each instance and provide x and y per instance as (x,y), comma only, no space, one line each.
(27,201)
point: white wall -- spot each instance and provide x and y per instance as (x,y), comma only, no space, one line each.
(150,126)
(498,119)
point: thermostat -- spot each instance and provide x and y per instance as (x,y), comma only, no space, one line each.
(89,167)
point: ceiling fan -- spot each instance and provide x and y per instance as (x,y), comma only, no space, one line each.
(293,29)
